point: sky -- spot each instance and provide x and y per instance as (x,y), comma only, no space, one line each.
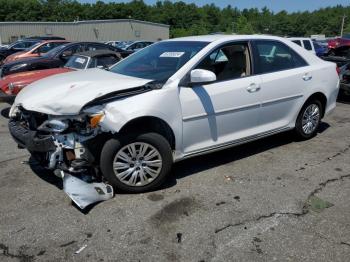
(274,5)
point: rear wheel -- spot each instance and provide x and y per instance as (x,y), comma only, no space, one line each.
(136,163)
(309,120)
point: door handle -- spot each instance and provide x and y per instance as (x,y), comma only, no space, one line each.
(252,88)
(307,77)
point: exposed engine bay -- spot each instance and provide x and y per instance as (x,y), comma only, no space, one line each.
(72,143)
(60,143)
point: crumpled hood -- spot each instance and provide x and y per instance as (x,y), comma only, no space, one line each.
(66,94)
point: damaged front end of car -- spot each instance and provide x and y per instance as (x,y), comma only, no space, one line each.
(64,144)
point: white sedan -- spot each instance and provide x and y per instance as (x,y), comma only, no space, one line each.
(172,100)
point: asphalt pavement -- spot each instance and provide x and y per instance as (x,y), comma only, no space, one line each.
(276,199)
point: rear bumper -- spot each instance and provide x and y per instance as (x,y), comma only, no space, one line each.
(6,98)
(28,139)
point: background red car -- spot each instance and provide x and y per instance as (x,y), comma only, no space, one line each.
(10,85)
(338,42)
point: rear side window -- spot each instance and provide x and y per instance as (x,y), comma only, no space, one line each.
(93,47)
(47,47)
(273,56)
(307,44)
(297,42)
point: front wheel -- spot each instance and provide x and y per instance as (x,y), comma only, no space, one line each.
(136,163)
(308,120)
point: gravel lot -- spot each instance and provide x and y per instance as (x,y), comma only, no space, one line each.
(272,200)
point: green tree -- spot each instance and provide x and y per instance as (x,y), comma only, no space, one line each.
(242,26)
(184,19)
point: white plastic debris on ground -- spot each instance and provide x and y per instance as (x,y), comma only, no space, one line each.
(84,193)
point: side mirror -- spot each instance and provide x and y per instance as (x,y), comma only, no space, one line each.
(202,76)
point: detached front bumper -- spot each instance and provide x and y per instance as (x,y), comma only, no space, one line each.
(6,98)
(29,139)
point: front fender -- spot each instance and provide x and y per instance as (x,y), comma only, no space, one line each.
(164,105)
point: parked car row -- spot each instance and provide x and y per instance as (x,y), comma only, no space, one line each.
(339,46)
(56,57)
(344,75)
(334,50)
(316,47)
(11,85)
(34,58)
(132,46)
(18,46)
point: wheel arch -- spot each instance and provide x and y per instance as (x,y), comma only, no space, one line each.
(321,97)
(150,124)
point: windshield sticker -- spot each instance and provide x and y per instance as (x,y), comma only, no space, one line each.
(80,60)
(172,54)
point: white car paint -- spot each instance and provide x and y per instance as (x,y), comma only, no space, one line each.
(73,90)
(303,41)
(202,118)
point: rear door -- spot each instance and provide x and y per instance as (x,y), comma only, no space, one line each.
(285,75)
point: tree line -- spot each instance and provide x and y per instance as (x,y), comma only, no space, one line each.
(184,19)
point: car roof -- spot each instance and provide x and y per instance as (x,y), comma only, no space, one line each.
(94,53)
(299,38)
(29,40)
(223,38)
(142,41)
(54,41)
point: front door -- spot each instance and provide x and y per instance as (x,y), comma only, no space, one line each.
(225,110)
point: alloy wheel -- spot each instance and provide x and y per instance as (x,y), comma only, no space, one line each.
(311,118)
(137,164)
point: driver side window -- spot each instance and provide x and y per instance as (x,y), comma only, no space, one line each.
(72,50)
(44,48)
(228,62)
(20,45)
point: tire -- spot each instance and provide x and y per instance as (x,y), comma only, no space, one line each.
(306,132)
(113,152)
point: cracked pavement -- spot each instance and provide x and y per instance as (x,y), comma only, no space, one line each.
(271,200)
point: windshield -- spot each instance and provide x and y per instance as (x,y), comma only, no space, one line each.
(77,62)
(159,61)
(54,51)
(22,44)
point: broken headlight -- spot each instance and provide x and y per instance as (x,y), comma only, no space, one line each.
(95,119)
(14,111)
(54,125)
